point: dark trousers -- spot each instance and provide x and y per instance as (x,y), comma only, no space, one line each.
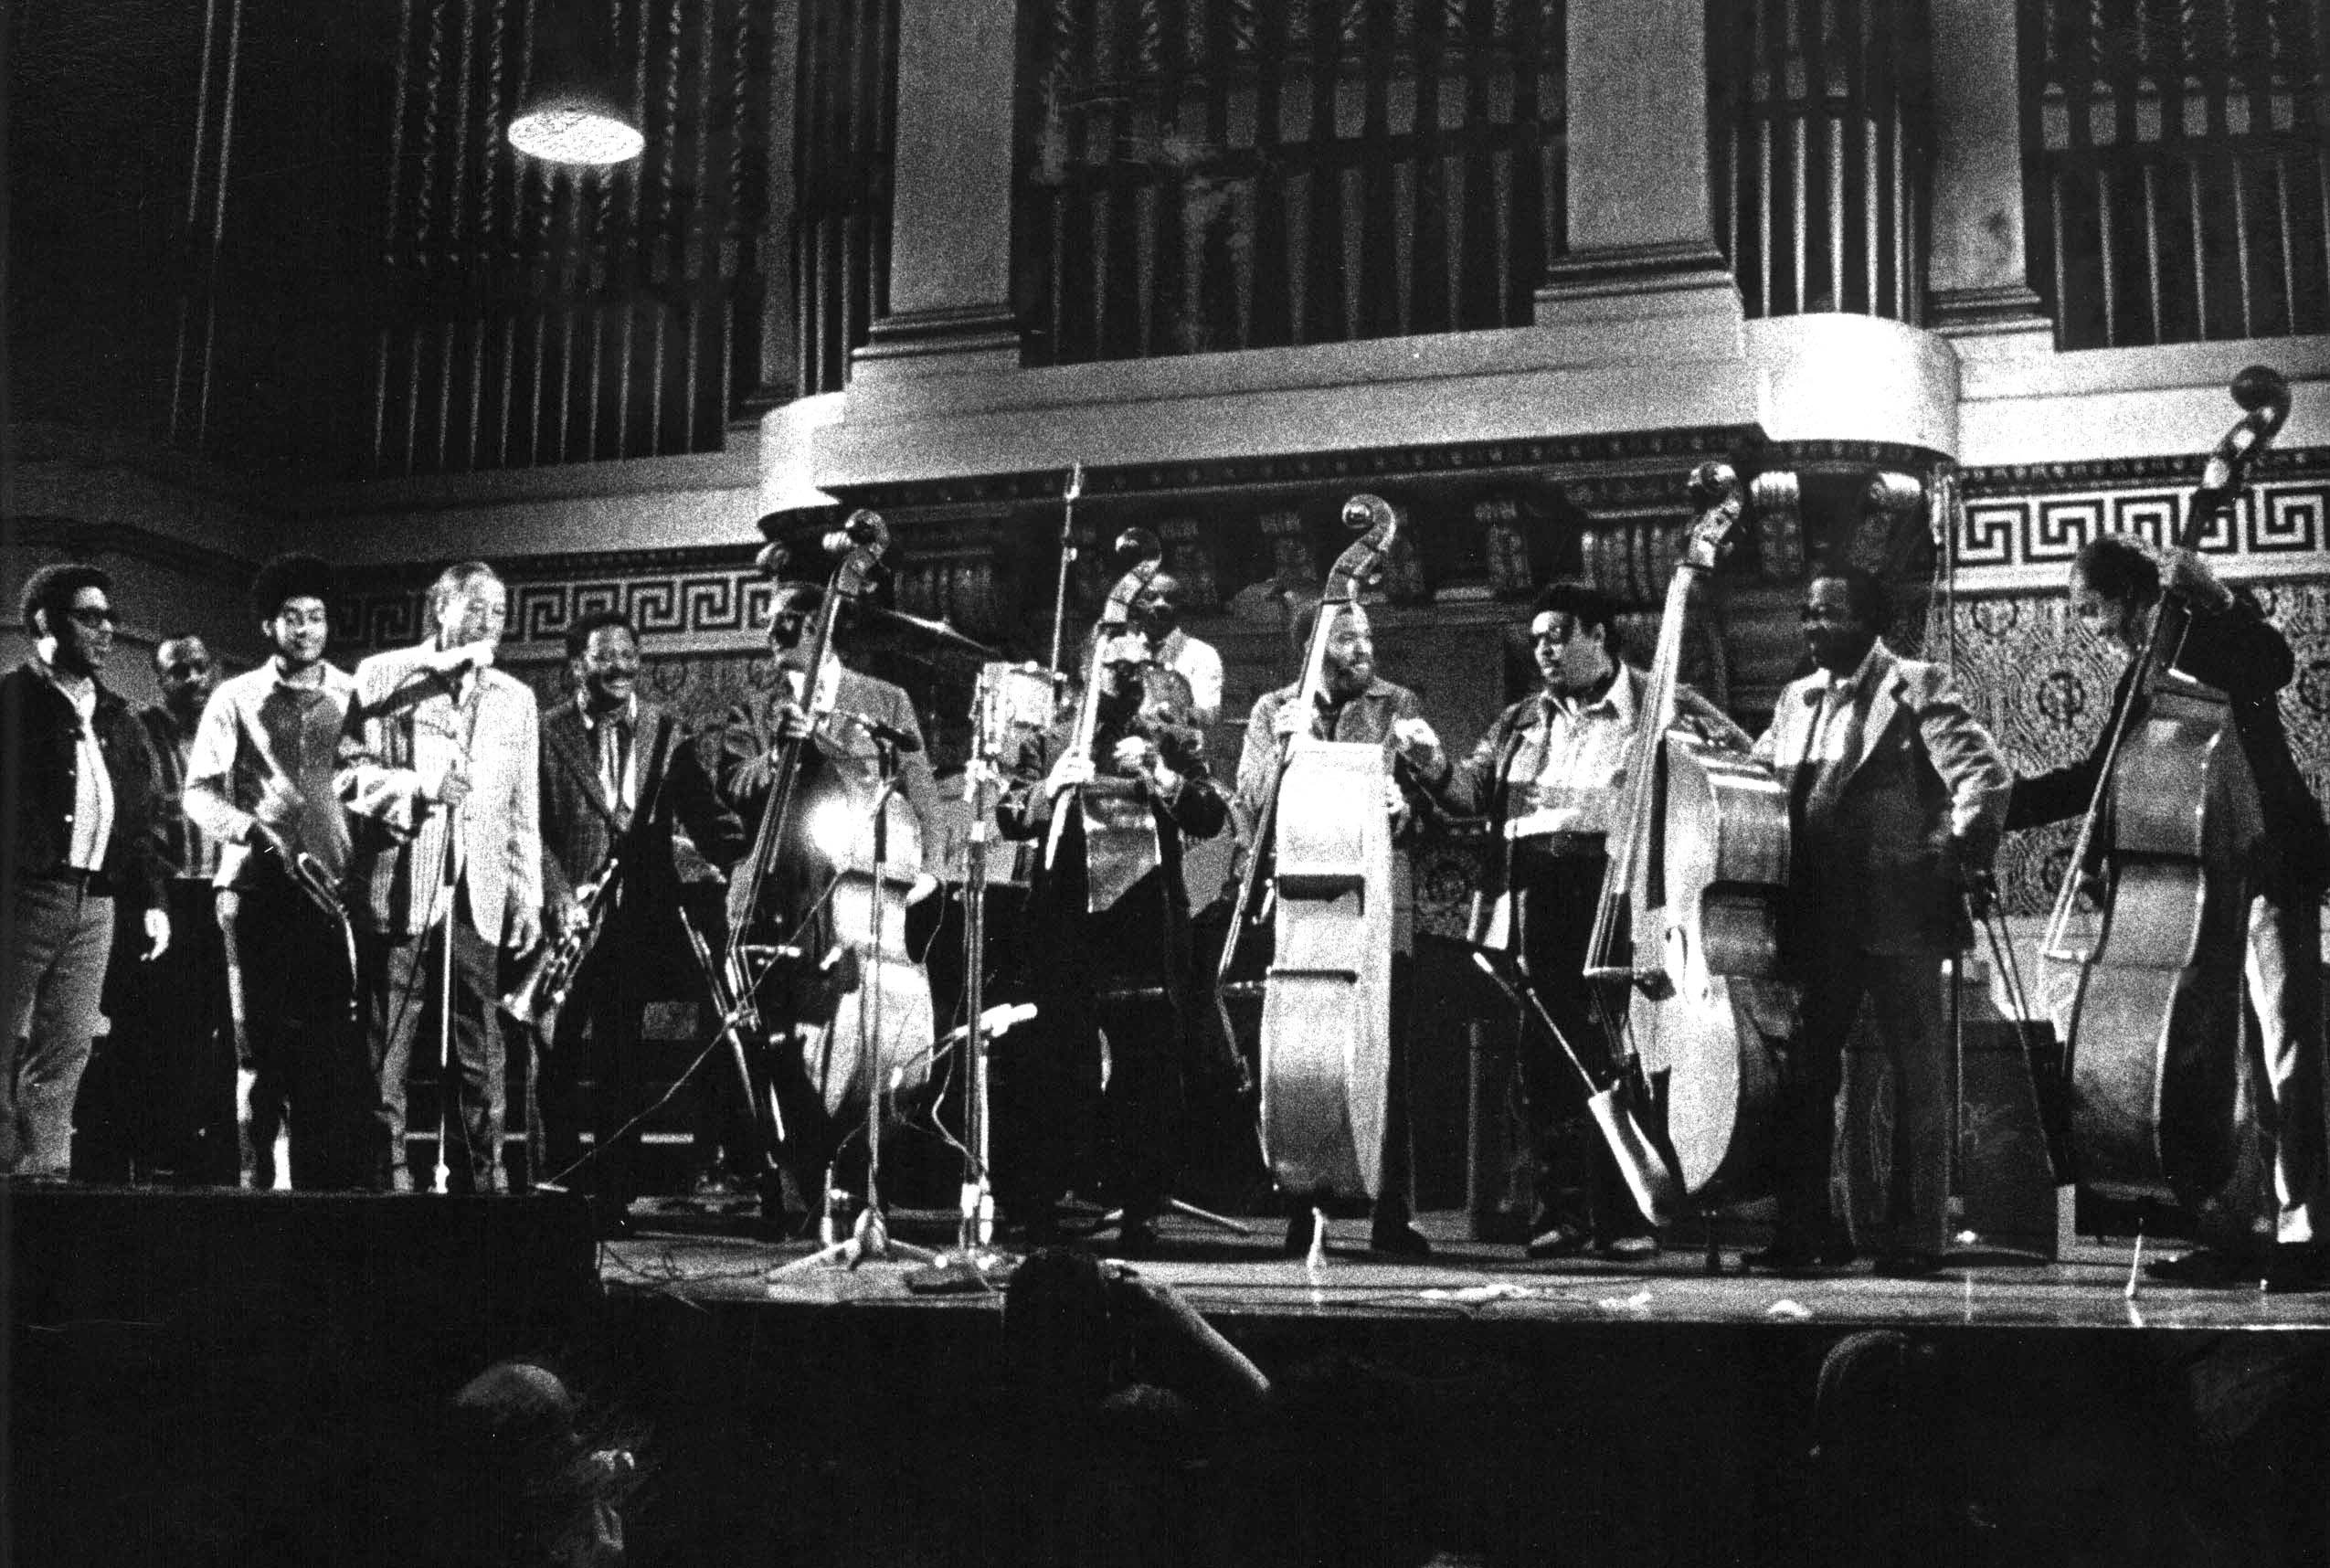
(1054,1118)
(157,1102)
(289,977)
(595,1038)
(1576,1177)
(403,979)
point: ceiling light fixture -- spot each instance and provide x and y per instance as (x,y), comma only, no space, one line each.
(573,111)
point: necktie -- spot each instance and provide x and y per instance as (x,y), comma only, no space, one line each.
(1836,742)
(619,770)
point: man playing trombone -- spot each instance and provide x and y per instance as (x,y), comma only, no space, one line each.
(259,783)
(617,772)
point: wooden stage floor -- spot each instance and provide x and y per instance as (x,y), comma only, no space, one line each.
(1472,1282)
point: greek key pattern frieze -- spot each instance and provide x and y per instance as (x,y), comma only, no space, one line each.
(2025,540)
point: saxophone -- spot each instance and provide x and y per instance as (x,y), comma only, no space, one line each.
(537,999)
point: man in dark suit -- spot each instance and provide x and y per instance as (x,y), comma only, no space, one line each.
(1897,794)
(617,774)
(1113,941)
(859,731)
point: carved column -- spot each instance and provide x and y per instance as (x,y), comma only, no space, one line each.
(1979,273)
(950,249)
(1643,259)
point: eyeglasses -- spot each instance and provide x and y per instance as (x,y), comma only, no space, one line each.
(92,619)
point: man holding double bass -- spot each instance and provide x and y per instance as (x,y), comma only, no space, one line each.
(2115,588)
(1354,705)
(1109,935)
(1549,778)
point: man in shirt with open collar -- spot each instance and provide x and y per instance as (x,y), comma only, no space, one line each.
(1355,705)
(261,782)
(616,771)
(438,737)
(1897,795)
(77,791)
(1157,612)
(1550,776)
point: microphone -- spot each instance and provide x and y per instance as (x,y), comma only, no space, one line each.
(462,656)
(887,735)
(864,527)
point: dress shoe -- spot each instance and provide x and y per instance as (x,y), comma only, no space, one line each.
(2297,1269)
(1639,1248)
(1908,1263)
(1561,1241)
(2203,1265)
(610,1223)
(1300,1227)
(1399,1239)
(711,1185)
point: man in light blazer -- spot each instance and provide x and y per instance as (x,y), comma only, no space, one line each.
(1897,796)
(440,769)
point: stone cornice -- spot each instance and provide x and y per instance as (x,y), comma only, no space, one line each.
(2179,469)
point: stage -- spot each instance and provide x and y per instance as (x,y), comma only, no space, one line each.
(1246,1280)
(251,1377)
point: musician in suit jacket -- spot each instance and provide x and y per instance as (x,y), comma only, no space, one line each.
(440,767)
(2115,588)
(1354,705)
(856,726)
(615,770)
(1123,967)
(1897,797)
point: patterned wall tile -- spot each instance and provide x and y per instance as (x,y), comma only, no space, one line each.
(2044,688)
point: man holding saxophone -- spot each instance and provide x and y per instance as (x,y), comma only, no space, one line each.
(259,782)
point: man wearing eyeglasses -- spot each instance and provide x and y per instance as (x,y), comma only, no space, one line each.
(76,789)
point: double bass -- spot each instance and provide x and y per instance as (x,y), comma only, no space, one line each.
(1326,838)
(1119,831)
(817,947)
(2149,1004)
(1689,911)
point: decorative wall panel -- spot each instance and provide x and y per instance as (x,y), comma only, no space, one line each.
(2019,528)
(1197,175)
(1817,126)
(534,314)
(2176,185)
